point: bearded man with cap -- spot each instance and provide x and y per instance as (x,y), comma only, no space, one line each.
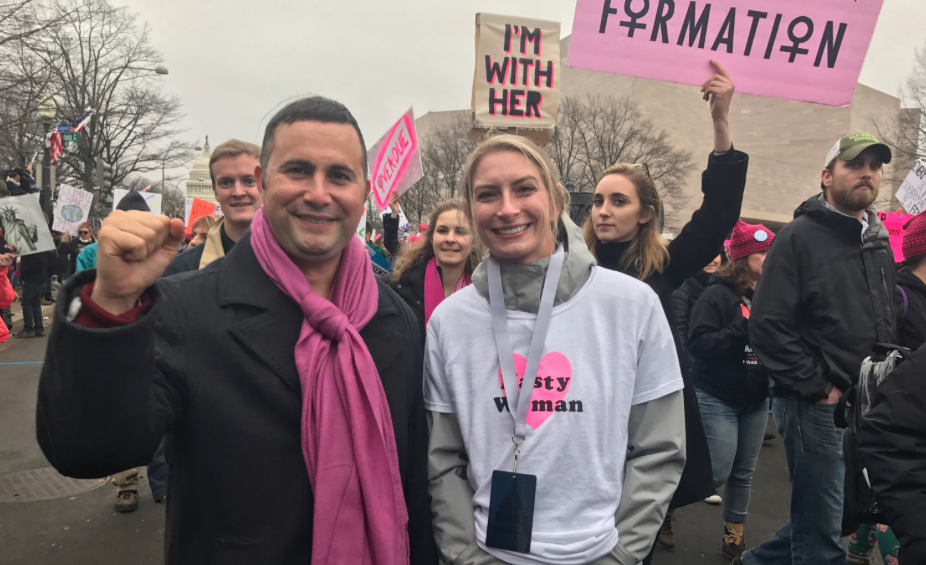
(825,298)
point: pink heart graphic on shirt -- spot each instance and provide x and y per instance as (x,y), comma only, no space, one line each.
(554,377)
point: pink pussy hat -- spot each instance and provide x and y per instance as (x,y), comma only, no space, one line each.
(748,239)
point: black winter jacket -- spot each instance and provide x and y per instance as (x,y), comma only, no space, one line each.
(410,288)
(391,234)
(911,325)
(212,363)
(723,184)
(683,301)
(725,366)
(34,268)
(892,440)
(823,301)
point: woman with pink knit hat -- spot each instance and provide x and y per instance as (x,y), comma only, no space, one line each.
(911,293)
(731,383)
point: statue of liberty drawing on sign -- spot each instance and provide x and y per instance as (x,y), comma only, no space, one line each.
(21,236)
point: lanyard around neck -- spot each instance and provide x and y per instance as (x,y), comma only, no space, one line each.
(518,405)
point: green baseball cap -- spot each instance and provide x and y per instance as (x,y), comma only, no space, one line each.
(851,146)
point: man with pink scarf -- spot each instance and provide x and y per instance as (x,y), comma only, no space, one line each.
(289,378)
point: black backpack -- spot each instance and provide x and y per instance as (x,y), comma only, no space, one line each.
(861,505)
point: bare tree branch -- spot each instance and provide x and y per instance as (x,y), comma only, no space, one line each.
(907,133)
(101,58)
(595,132)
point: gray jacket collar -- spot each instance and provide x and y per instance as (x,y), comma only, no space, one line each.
(523,283)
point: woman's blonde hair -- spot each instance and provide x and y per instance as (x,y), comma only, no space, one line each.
(205,222)
(649,251)
(89,226)
(559,198)
(423,250)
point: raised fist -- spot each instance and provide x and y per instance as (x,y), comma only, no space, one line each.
(133,250)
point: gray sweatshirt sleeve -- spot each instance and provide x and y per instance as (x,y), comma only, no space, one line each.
(451,493)
(655,460)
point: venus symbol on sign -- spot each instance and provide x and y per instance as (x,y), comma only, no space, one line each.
(72,213)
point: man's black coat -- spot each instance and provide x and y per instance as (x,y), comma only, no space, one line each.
(212,364)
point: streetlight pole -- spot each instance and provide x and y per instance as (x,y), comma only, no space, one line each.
(47,111)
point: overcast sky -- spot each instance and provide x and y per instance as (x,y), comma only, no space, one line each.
(233,62)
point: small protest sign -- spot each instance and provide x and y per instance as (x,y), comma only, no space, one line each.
(791,49)
(403,220)
(187,204)
(24,226)
(381,266)
(152,200)
(198,209)
(894,224)
(396,160)
(72,209)
(912,193)
(362,226)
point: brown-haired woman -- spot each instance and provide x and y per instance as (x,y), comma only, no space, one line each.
(441,263)
(731,383)
(623,233)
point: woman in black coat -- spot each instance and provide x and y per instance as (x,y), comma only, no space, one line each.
(437,265)
(685,298)
(623,234)
(731,383)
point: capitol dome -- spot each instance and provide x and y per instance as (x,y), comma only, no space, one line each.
(199,184)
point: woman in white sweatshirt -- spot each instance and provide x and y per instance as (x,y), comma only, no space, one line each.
(600,442)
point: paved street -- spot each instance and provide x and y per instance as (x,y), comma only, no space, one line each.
(84,529)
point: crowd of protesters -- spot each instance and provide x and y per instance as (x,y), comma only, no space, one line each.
(384,416)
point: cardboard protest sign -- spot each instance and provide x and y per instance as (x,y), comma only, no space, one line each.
(187,204)
(894,223)
(24,226)
(912,193)
(395,160)
(516,83)
(72,209)
(152,200)
(792,49)
(198,209)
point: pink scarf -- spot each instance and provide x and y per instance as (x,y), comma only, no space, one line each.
(434,288)
(347,437)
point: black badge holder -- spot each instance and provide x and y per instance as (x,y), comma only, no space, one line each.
(511,505)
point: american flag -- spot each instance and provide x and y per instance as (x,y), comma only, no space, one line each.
(80,123)
(54,140)
(54,144)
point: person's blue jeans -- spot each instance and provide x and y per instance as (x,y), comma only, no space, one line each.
(813,446)
(734,437)
(159,470)
(32,305)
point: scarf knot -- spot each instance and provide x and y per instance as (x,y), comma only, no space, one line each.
(327,319)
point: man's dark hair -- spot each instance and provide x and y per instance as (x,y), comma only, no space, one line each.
(831,167)
(313,109)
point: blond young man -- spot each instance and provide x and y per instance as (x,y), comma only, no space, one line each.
(234,184)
